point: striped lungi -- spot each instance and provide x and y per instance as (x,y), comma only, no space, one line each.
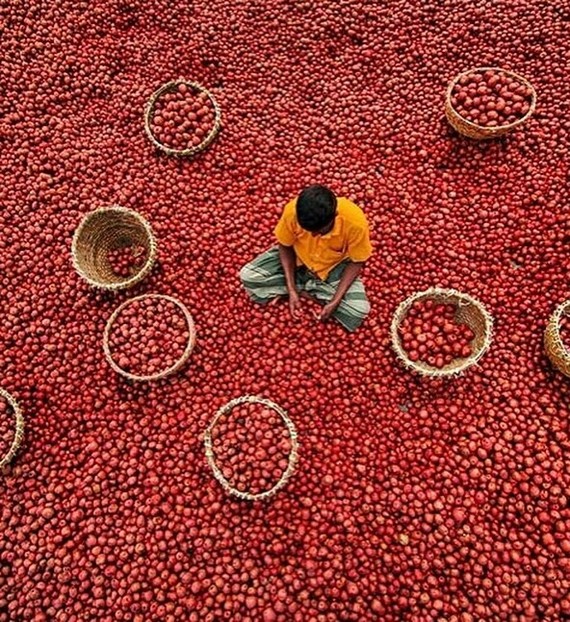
(264,279)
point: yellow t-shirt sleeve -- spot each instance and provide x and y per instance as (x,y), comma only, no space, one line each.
(359,247)
(284,231)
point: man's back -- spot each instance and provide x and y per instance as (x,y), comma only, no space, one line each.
(348,239)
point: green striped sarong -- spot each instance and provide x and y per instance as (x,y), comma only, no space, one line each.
(264,279)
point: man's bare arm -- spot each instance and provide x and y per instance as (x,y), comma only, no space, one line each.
(289,262)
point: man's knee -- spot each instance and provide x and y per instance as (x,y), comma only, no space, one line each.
(249,276)
(363,308)
(357,299)
(360,309)
(354,310)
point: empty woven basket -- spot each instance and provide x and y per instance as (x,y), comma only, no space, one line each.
(106,229)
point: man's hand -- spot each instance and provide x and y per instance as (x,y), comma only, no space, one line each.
(294,304)
(351,271)
(328,310)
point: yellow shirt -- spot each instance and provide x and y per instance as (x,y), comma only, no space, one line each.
(348,239)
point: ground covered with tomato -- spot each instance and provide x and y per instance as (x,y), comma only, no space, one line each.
(412,499)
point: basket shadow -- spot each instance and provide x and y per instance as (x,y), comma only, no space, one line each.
(105,297)
(181,162)
(460,149)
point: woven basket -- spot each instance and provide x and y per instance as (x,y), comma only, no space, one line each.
(106,229)
(252,399)
(19,432)
(557,352)
(473,130)
(165,372)
(468,311)
(149,112)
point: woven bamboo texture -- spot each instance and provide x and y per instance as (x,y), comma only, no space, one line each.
(149,112)
(468,311)
(106,229)
(166,372)
(19,431)
(556,351)
(293,454)
(473,130)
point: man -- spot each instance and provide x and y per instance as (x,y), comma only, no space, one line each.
(323,244)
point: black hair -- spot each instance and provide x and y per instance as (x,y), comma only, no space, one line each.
(316,207)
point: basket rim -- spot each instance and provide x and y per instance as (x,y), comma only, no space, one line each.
(499,128)
(138,276)
(552,330)
(173,368)
(425,369)
(19,431)
(293,453)
(149,109)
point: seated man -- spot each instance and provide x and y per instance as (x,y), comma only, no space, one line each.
(323,244)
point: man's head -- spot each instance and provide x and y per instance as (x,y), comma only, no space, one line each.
(316,209)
